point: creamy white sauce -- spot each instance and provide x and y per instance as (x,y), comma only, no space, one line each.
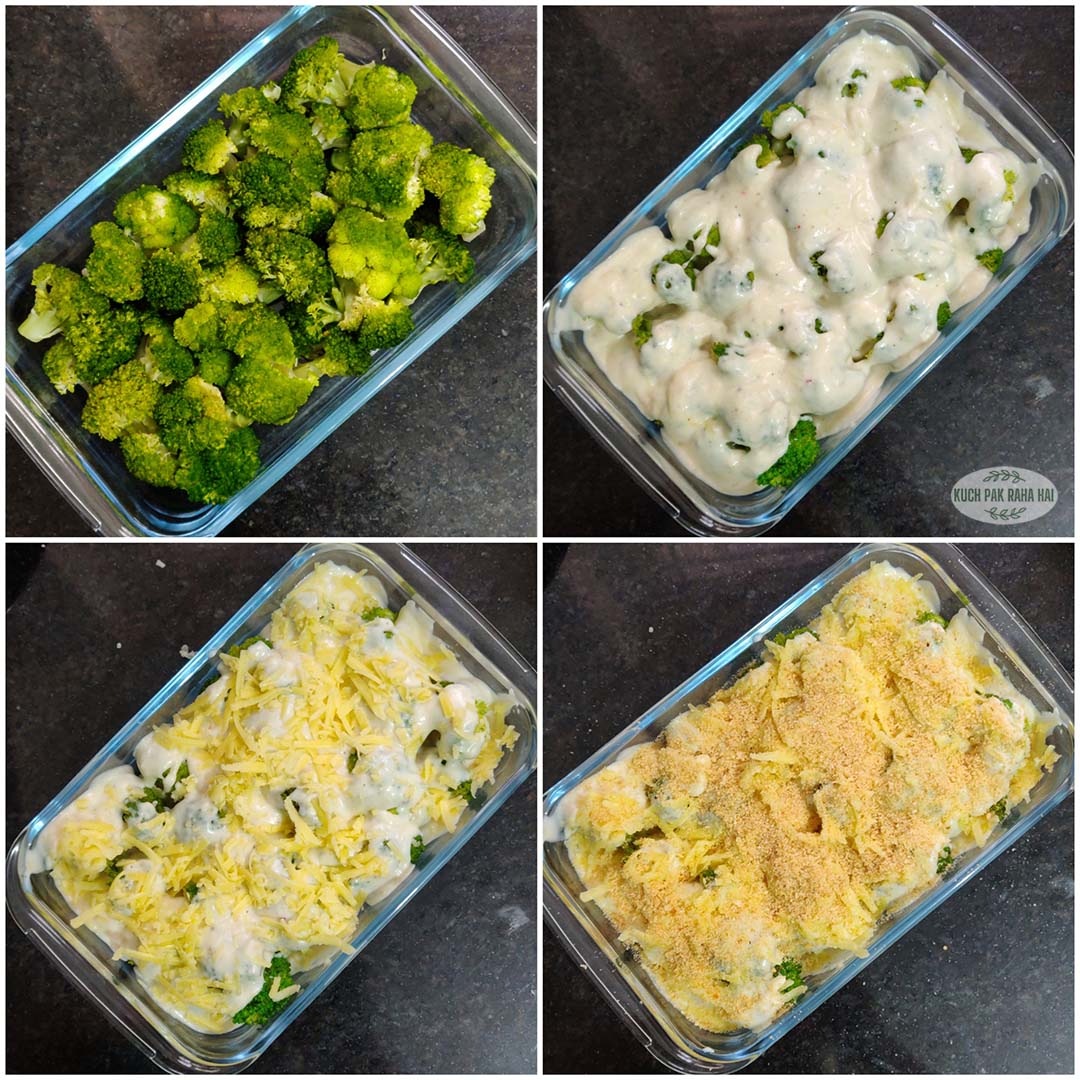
(803,341)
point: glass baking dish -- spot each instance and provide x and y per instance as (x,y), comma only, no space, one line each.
(456,102)
(634,440)
(41,913)
(592,942)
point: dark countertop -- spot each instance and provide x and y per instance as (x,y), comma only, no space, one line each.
(978,985)
(1003,396)
(86,81)
(473,926)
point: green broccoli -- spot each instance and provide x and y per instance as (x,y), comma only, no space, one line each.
(216,239)
(298,265)
(642,328)
(968,154)
(372,613)
(199,190)
(1000,809)
(209,149)
(318,73)
(100,343)
(261,1009)
(170,281)
(288,136)
(121,402)
(379,97)
(234,282)
(148,459)
(240,646)
(944,314)
(707,876)
(770,115)
(381,171)
(329,126)
(945,859)
(907,81)
(155,218)
(931,616)
(115,265)
(461,181)
(61,298)
(440,256)
(214,365)
(802,451)
(166,361)
(766,154)
(374,253)
(59,367)
(991,259)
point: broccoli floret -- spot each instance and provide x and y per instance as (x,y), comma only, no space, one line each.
(642,329)
(318,73)
(803,450)
(379,97)
(945,859)
(148,459)
(121,402)
(440,256)
(261,1009)
(461,181)
(968,153)
(766,153)
(288,136)
(344,353)
(115,265)
(308,328)
(199,328)
(267,392)
(61,297)
(199,190)
(164,359)
(216,239)
(170,281)
(416,849)
(329,126)
(193,417)
(944,314)
(102,342)
(769,115)
(258,333)
(991,259)
(373,253)
(155,218)
(931,616)
(377,324)
(209,149)
(382,171)
(214,366)
(236,282)
(1000,809)
(265,191)
(298,265)
(59,367)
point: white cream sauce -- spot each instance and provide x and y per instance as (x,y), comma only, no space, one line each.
(814,306)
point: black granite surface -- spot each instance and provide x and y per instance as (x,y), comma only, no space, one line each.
(648,85)
(983,984)
(448,987)
(84,81)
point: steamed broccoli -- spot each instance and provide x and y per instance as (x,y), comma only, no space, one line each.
(115,266)
(461,181)
(931,616)
(991,259)
(802,451)
(262,1008)
(275,255)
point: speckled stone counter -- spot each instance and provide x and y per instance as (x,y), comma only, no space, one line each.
(983,984)
(460,421)
(448,987)
(648,85)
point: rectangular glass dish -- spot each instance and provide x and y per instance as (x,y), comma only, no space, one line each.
(456,102)
(633,439)
(42,914)
(593,943)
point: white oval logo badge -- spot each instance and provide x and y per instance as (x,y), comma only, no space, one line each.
(1004,496)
